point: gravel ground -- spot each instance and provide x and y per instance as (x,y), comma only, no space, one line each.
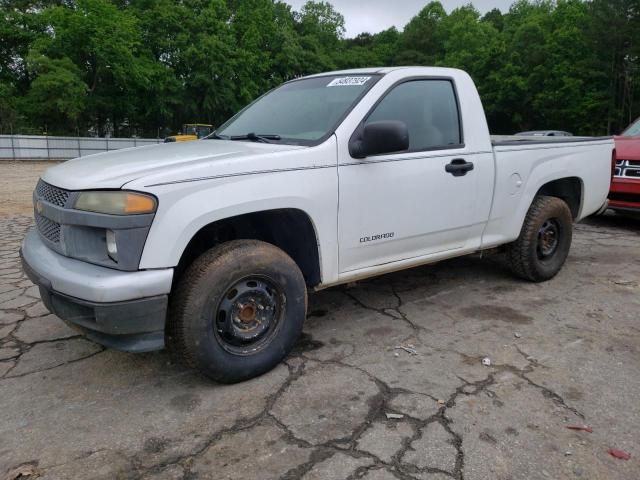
(18,179)
(562,353)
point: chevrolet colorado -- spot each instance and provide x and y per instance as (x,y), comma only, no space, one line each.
(209,247)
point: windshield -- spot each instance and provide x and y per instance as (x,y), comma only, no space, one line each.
(632,130)
(300,112)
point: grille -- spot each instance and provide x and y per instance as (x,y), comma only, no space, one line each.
(51,194)
(48,228)
(627,168)
(624,197)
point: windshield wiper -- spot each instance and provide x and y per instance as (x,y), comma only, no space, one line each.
(215,136)
(254,137)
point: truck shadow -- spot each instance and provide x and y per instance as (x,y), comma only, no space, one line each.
(385,291)
(627,221)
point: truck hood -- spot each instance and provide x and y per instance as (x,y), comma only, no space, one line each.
(115,169)
(627,148)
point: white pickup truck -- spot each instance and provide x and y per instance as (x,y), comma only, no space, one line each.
(209,247)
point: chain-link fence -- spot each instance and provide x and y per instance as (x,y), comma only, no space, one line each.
(35,147)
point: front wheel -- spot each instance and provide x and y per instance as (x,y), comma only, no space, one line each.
(540,251)
(237,311)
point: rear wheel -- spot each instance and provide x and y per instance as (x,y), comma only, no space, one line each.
(237,311)
(544,242)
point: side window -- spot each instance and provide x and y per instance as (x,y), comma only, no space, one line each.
(429,109)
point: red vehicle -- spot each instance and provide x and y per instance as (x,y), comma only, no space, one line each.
(625,185)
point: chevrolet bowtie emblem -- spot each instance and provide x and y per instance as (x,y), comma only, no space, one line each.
(39,206)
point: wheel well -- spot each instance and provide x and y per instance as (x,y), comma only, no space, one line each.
(568,189)
(288,229)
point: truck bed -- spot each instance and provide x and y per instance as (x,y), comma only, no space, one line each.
(524,164)
(516,140)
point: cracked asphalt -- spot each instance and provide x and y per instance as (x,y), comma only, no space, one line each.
(563,353)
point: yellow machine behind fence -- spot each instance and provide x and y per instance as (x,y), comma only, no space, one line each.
(191,131)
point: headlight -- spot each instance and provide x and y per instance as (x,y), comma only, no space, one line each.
(116,203)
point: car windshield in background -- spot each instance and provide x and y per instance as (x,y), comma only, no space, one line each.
(300,112)
(632,130)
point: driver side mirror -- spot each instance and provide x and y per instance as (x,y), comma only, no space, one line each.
(376,138)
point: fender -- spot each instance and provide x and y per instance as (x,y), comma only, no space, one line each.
(181,214)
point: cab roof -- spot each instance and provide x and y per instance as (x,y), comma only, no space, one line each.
(412,70)
(357,71)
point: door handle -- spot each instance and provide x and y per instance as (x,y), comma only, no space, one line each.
(458,167)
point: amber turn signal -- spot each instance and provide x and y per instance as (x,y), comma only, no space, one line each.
(137,203)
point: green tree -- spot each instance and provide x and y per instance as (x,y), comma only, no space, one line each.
(422,42)
(20,25)
(367,50)
(614,32)
(147,66)
(8,108)
(568,96)
(320,29)
(495,18)
(103,42)
(57,96)
(468,43)
(322,20)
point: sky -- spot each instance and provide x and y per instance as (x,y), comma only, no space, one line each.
(376,15)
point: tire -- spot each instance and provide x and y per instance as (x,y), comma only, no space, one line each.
(237,311)
(544,242)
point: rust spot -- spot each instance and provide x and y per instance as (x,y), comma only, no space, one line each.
(247,313)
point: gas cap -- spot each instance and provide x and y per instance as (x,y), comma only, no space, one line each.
(515,184)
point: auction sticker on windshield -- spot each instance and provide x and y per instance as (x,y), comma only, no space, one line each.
(348,81)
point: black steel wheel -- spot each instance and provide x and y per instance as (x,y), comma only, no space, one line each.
(248,315)
(548,239)
(237,311)
(544,242)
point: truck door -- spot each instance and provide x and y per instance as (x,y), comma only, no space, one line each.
(420,201)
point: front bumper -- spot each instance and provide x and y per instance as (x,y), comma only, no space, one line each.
(624,194)
(121,310)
